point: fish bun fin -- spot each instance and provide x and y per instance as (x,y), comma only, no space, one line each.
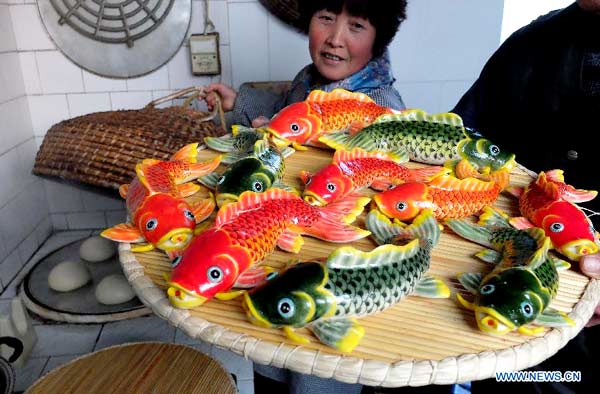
(341,334)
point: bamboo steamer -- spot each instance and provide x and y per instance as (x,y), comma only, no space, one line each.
(416,342)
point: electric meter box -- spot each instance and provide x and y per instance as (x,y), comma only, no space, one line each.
(204,51)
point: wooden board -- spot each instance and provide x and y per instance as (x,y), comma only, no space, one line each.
(418,341)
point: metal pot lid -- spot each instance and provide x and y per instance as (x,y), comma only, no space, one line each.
(113,38)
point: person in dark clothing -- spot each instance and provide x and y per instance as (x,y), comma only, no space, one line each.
(539,96)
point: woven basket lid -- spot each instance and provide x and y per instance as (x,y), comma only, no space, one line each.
(286,10)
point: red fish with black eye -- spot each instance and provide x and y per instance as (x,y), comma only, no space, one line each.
(155,201)
(351,171)
(321,113)
(549,203)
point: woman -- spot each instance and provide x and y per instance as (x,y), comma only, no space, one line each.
(348,42)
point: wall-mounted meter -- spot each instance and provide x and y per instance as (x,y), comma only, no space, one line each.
(204,51)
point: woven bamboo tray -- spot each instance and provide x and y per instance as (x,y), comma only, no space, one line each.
(417,342)
(138,368)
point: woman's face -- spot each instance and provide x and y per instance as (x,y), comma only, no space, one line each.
(340,44)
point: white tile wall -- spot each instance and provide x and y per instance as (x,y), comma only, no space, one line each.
(96,83)
(249,46)
(9,166)
(46,111)
(158,79)
(16,123)
(286,46)
(58,74)
(10,77)
(130,100)
(7,37)
(29,31)
(31,76)
(81,104)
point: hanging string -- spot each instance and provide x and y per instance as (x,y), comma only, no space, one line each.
(589,212)
(209,26)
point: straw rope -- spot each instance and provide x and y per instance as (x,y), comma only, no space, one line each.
(416,342)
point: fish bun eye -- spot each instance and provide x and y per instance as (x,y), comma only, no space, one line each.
(258,187)
(151,224)
(494,150)
(176,261)
(286,308)
(331,187)
(189,215)
(401,206)
(556,227)
(526,308)
(295,128)
(214,274)
(487,289)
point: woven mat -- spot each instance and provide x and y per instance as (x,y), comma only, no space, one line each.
(416,342)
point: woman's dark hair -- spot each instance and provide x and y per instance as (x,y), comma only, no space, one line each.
(385,16)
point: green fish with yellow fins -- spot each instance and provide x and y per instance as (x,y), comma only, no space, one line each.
(328,296)
(430,139)
(240,143)
(259,170)
(515,295)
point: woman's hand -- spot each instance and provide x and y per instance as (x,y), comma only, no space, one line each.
(227,94)
(590,266)
(260,121)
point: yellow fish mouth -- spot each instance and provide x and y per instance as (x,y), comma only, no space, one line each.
(510,164)
(253,315)
(574,250)
(183,298)
(175,239)
(491,322)
(313,199)
(277,139)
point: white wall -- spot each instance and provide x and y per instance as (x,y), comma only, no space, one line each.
(436,55)
(24,222)
(518,13)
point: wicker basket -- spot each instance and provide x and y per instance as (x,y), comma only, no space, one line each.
(102,149)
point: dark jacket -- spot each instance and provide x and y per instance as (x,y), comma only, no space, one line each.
(539,96)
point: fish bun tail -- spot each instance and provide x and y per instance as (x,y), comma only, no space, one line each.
(382,229)
(334,225)
(347,209)
(501,178)
(205,167)
(493,218)
(473,232)
(220,144)
(426,174)
(187,154)
(425,226)
(339,140)
(329,229)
